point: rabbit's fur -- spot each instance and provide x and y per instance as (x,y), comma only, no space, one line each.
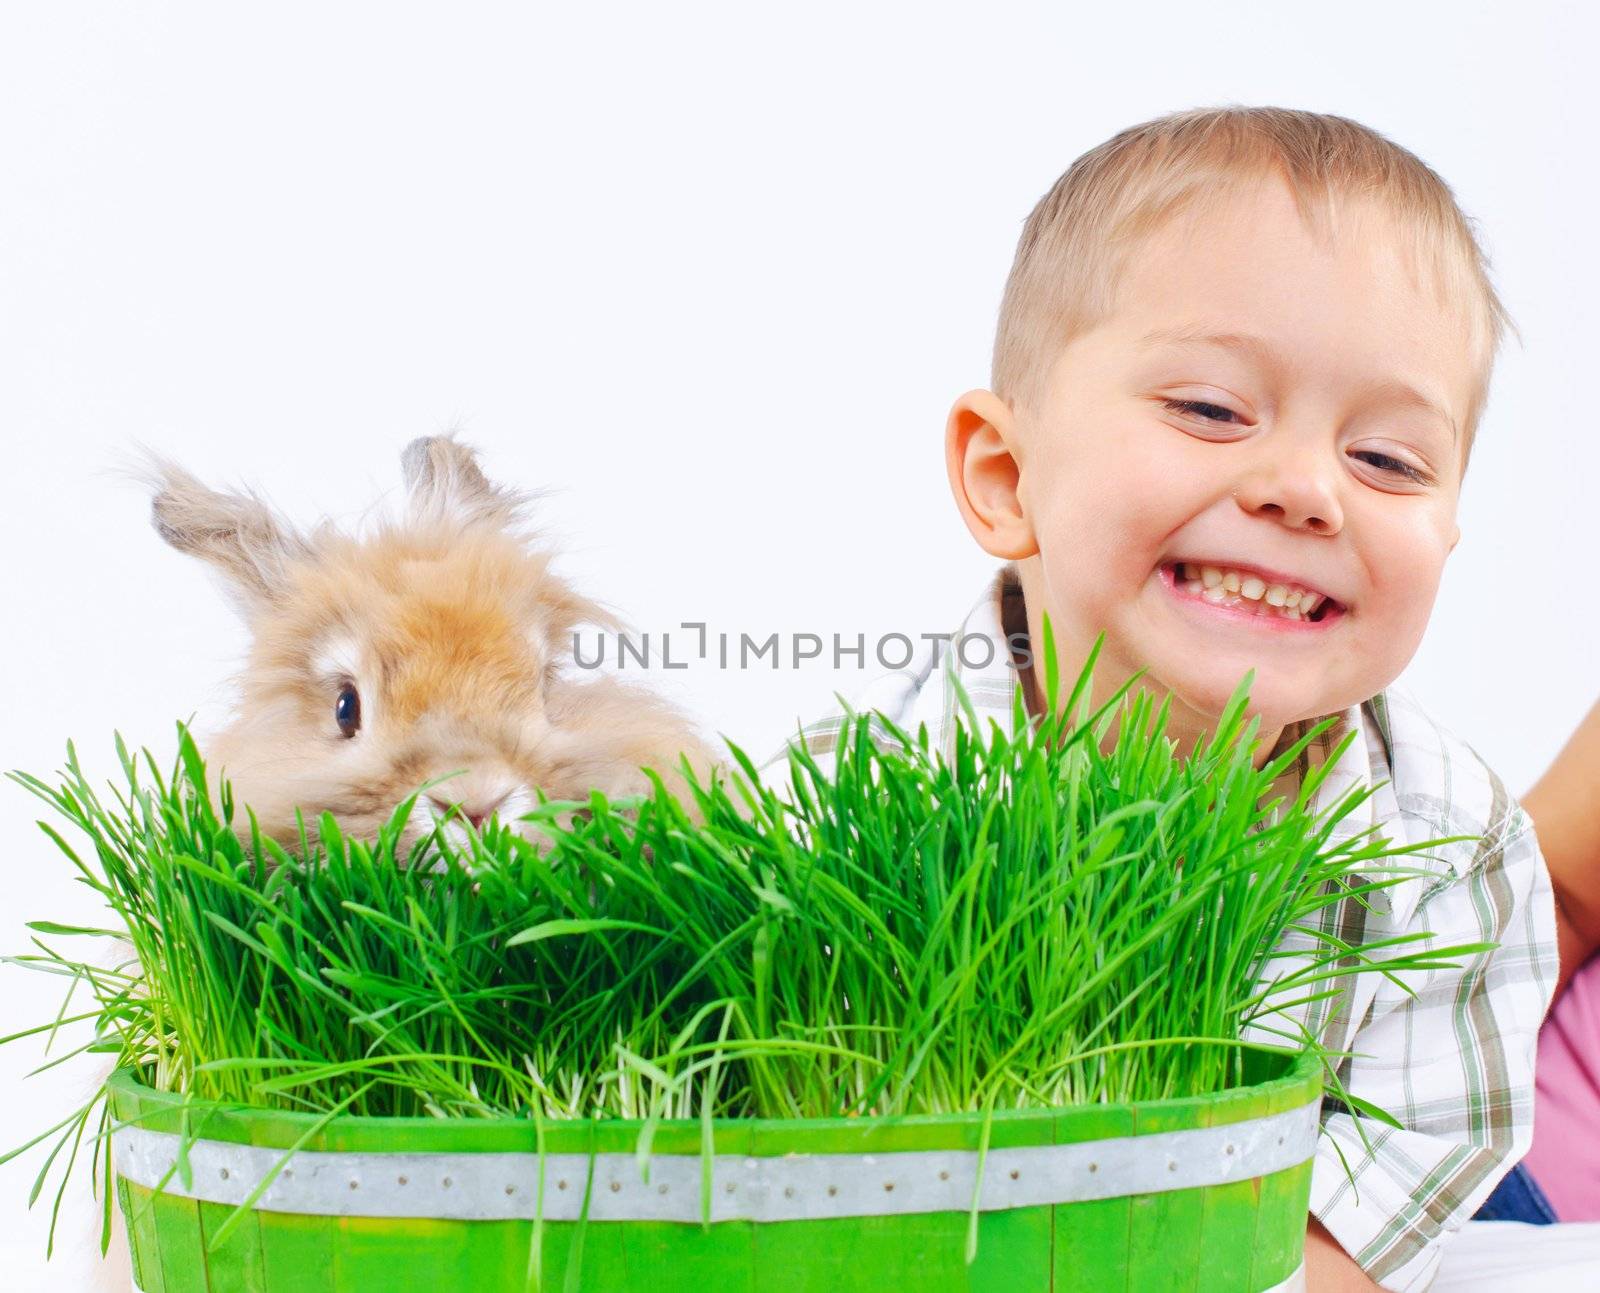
(451,627)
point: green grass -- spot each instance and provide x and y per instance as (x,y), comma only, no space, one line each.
(1071,914)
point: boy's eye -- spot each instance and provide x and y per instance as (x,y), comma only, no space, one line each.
(1389,463)
(1200,408)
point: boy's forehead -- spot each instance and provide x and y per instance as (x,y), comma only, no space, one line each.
(1247,274)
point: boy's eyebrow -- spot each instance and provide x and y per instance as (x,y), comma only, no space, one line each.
(1390,389)
(1258,347)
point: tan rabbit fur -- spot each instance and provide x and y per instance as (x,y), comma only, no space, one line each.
(451,628)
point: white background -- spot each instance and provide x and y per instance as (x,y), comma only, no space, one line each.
(712,274)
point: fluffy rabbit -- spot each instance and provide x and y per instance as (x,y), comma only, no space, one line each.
(431,648)
(375,665)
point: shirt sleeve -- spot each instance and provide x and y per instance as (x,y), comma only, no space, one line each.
(1453,1064)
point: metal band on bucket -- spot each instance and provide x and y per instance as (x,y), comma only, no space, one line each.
(499,1186)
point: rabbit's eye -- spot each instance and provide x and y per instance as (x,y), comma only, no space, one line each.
(347,710)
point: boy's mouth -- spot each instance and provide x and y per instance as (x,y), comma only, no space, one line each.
(1251,593)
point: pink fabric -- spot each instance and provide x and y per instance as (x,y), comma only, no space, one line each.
(1565,1158)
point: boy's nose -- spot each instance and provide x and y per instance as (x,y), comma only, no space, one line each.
(1295,491)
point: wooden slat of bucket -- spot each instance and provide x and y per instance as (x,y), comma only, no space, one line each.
(821,1256)
(1227,1237)
(722,1258)
(1225,1261)
(1015,1247)
(1280,1237)
(622,1255)
(177,1227)
(237,1263)
(297,1252)
(506,1245)
(141,1238)
(1092,1236)
(1015,1251)
(725,1259)
(1227,1230)
(1164,1230)
(378,1253)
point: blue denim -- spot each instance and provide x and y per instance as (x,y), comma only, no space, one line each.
(1517,1198)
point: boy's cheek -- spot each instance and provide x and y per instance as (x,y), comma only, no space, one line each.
(1395,641)
(1112,502)
(1406,568)
(1388,632)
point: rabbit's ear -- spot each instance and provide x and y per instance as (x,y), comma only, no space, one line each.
(446,484)
(236,533)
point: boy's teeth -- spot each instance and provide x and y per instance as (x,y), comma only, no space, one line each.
(1218,585)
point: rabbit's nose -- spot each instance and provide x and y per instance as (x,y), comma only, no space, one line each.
(476,811)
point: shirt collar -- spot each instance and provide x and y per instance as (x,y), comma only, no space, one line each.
(977,654)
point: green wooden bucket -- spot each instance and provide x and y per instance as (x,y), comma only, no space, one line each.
(1206,1193)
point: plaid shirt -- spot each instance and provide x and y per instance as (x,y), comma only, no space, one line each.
(1454,1062)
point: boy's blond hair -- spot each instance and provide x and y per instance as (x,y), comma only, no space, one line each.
(1077,239)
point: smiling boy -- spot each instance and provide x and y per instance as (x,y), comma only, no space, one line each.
(1240,362)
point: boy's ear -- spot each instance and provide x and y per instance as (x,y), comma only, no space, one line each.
(981,443)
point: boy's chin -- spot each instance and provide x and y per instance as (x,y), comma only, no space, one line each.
(1275,701)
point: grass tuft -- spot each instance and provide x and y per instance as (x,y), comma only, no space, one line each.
(1069,914)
